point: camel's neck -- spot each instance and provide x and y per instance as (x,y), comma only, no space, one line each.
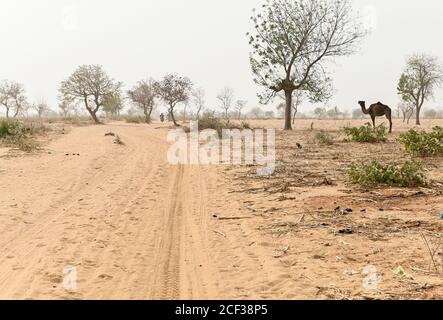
(363,108)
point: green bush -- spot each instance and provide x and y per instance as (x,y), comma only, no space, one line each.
(17,134)
(410,174)
(324,138)
(9,128)
(366,133)
(422,143)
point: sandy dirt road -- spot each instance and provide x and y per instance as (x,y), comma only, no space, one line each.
(133,226)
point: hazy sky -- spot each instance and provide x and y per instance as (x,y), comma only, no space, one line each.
(43,41)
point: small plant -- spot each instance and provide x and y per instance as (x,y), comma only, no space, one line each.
(366,133)
(410,174)
(245,125)
(118,140)
(422,143)
(324,138)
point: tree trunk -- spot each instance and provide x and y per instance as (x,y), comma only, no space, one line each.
(417,116)
(288,110)
(294,115)
(94,116)
(147,117)
(171,112)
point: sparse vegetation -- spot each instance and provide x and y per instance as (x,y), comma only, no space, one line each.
(208,121)
(422,143)
(410,174)
(135,119)
(366,134)
(19,134)
(324,138)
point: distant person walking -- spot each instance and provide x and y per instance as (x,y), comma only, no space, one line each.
(162,117)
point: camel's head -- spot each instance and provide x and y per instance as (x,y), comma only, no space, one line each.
(362,104)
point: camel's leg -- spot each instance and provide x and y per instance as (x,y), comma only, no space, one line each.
(388,116)
(373,121)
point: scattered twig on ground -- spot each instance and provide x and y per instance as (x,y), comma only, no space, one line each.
(431,251)
(220,233)
(233,218)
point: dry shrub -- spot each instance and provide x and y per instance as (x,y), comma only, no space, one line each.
(324,138)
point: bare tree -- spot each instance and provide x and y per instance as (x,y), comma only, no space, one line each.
(199,100)
(12,97)
(269,114)
(256,112)
(292,41)
(226,97)
(143,95)
(431,114)
(281,109)
(65,107)
(174,89)
(407,110)
(90,85)
(239,106)
(334,113)
(41,107)
(297,99)
(320,112)
(422,75)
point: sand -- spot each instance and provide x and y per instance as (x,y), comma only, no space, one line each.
(135,227)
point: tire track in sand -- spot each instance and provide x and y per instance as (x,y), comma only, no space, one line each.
(167,272)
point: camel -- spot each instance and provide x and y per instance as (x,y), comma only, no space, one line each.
(377,110)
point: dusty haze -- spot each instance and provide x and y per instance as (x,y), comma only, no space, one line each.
(44,41)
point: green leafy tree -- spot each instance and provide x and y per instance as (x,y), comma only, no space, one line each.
(113,104)
(292,41)
(422,75)
(143,95)
(89,84)
(174,89)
